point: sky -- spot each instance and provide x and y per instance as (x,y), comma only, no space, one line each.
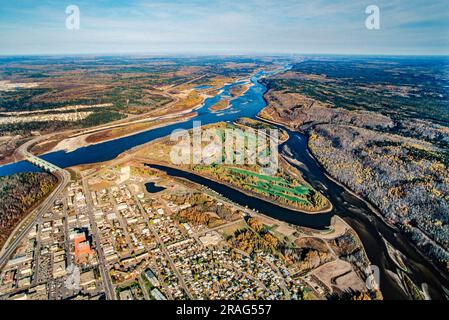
(224,27)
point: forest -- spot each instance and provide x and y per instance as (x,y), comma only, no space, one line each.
(379,131)
(18,194)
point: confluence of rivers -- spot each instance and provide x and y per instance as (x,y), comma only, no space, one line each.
(370,228)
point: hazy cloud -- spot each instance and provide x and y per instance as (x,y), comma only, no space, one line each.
(263,26)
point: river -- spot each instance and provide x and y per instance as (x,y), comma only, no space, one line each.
(369,227)
(248,105)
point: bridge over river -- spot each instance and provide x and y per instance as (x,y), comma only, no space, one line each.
(41,163)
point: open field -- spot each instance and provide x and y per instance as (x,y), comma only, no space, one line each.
(284,185)
(274,186)
(339,273)
(40,95)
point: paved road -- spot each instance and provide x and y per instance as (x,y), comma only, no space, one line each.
(66,232)
(22,151)
(162,246)
(21,232)
(28,223)
(146,294)
(96,238)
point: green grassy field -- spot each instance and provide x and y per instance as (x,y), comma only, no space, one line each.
(275,187)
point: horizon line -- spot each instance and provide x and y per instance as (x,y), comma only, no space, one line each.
(198,54)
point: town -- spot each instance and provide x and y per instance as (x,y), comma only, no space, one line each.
(130,232)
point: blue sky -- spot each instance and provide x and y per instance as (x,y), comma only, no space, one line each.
(224,27)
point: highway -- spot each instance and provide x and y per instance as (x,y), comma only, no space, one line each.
(47,166)
(24,228)
(22,151)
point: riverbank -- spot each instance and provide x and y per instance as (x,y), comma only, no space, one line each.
(81,140)
(84,140)
(249,192)
(307,239)
(337,228)
(416,262)
(327,174)
(96,155)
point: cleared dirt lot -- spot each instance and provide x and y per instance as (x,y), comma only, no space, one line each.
(339,273)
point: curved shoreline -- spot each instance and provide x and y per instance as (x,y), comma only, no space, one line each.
(249,202)
(252,194)
(378,214)
(184,117)
(370,206)
(324,171)
(327,174)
